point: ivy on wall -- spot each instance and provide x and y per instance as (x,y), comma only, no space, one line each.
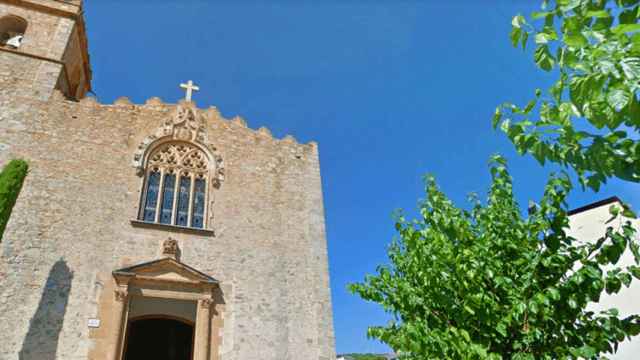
(11,179)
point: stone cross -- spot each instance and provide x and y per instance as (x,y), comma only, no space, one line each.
(190,87)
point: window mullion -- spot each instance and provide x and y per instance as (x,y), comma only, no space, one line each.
(160,191)
(206,204)
(192,187)
(176,195)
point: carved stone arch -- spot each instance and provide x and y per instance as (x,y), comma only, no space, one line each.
(186,124)
(151,143)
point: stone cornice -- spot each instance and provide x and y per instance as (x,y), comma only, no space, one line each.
(42,6)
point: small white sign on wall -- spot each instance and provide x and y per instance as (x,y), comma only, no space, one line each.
(94,323)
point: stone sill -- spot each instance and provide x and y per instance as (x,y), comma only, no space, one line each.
(175,228)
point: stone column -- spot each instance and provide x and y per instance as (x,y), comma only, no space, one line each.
(203,328)
(119,311)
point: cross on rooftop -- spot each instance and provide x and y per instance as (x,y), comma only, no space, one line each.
(190,87)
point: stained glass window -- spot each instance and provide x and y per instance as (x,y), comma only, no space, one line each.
(167,198)
(182,218)
(180,163)
(153,182)
(198,204)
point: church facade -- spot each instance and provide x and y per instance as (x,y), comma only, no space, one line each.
(150,231)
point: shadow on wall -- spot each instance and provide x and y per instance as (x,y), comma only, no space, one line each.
(41,342)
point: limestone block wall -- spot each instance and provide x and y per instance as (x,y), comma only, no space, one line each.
(71,227)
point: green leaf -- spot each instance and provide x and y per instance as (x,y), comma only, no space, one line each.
(554,294)
(547,34)
(618,99)
(629,16)
(523,41)
(625,279)
(625,28)
(517,21)
(539,14)
(469,310)
(568,5)
(614,210)
(516,34)
(541,38)
(543,57)
(631,67)
(576,40)
(598,14)
(587,352)
(497,115)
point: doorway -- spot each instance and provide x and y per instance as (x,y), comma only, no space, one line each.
(159,339)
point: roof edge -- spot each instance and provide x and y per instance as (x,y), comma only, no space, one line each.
(593,205)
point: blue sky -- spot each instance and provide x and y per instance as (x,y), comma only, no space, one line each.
(391,90)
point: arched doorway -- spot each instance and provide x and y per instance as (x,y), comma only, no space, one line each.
(159,339)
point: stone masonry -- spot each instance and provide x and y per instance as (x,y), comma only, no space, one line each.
(74,221)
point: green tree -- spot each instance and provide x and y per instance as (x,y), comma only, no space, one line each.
(589,119)
(366,357)
(11,179)
(489,283)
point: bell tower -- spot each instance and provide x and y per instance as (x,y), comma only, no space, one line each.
(43,46)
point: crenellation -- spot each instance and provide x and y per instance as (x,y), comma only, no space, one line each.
(122,101)
(154,101)
(213,114)
(265,132)
(239,121)
(289,139)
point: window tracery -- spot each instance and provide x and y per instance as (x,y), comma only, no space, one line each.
(175,190)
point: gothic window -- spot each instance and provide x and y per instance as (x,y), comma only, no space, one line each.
(175,189)
(12,29)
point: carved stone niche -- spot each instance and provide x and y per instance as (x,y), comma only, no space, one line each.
(168,278)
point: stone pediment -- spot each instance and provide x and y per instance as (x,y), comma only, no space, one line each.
(164,270)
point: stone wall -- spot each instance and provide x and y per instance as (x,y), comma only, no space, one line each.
(53,52)
(71,227)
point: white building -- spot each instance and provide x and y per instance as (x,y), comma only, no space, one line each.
(589,223)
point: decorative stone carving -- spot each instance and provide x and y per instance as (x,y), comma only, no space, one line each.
(187,124)
(120,295)
(206,303)
(180,156)
(170,248)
